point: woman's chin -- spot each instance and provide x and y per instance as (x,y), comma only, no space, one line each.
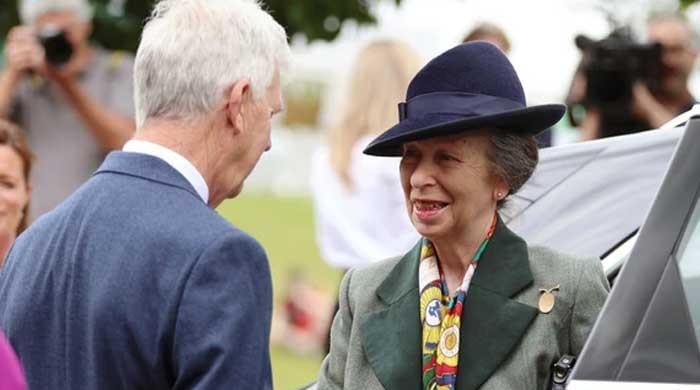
(430,231)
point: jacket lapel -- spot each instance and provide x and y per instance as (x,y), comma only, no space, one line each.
(493,323)
(391,336)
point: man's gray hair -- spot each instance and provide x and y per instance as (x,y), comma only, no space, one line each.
(31,10)
(192,50)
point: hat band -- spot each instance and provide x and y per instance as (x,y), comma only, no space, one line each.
(455,103)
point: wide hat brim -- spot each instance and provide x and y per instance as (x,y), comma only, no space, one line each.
(525,121)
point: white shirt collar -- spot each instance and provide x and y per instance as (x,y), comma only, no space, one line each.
(175,160)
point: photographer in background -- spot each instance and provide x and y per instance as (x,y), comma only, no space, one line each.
(492,33)
(654,102)
(74,100)
(679,52)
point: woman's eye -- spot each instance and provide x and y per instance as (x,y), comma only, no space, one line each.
(7,184)
(410,154)
(409,159)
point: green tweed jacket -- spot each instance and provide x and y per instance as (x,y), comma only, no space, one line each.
(505,343)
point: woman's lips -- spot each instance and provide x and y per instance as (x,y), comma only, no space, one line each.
(428,210)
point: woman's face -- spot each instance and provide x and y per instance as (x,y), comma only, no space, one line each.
(449,186)
(14,190)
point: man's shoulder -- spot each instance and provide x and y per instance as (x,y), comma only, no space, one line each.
(186,230)
(234,242)
(151,209)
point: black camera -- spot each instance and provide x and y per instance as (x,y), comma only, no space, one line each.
(611,66)
(57,48)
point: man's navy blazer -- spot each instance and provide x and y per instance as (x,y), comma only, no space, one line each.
(134,283)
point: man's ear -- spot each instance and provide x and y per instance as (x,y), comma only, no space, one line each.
(235,106)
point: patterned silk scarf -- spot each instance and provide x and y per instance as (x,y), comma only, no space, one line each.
(440,315)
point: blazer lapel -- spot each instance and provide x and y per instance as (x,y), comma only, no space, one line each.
(493,323)
(391,336)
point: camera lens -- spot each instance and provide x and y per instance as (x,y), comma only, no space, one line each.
(56,45)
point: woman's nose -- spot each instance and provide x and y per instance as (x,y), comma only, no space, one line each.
(422,175)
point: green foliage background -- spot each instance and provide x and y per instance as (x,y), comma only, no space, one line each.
(305,17)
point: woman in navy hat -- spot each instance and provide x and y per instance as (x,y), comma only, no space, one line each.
(471,305)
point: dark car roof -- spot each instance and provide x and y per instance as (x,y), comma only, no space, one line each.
(586,198)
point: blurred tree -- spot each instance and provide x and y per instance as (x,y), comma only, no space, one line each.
(686,3)
(118,23)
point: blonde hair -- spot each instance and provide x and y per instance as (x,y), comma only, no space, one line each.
(380,77)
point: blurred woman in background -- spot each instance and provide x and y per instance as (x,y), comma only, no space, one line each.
(15,167)
(358,201)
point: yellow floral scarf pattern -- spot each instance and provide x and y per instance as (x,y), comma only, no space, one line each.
(440,317)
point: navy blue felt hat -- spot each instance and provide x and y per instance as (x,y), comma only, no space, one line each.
(471,86)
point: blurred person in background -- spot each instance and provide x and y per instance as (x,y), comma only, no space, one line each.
(302,321)
(135,281)
(494,34)
(15,168)
(358,202)
(679,51)
(651,109)
(471,305)
(357,199)
(73,99)
(489,32)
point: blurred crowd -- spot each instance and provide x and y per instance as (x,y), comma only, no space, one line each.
(65,103)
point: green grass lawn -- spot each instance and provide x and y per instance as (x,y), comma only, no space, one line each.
(285,227)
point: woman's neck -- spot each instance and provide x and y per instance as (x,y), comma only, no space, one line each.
(456,253)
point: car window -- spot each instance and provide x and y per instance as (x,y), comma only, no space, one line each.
(688,256)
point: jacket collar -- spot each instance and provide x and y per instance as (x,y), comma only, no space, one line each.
(146,167)
(175,160)
(492,322)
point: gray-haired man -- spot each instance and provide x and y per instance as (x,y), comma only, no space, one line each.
(134,282)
